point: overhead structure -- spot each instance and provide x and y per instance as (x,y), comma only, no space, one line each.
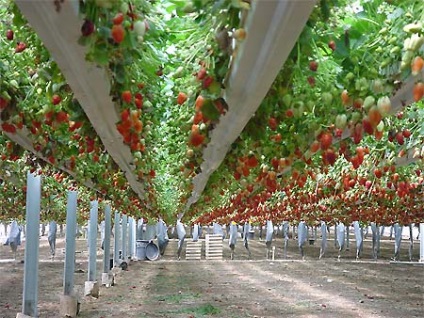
(272,28)
(60,31)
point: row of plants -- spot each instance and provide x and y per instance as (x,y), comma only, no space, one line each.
(167,63)
(338,82)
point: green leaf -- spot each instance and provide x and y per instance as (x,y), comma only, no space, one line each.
(210,111)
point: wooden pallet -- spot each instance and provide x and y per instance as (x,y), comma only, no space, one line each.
(194,250)
(213,249)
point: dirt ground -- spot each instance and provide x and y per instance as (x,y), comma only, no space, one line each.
(258,287)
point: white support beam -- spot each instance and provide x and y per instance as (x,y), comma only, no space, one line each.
(60,32)
(272,28)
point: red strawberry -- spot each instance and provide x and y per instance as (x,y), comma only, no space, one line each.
(273,124)
(3,103)
(313,66)
(182,97)
(61,117)
(9,35)
(399,138)
(326,140)
(332,45)
(56,99)
(20,47)
(125,115)
(406,133)
(252,162)
(207,81)
(118,19)
(126,96)
(201,74)
(87,28)
(196,139)
(118,33)
(139,103)
(311,81)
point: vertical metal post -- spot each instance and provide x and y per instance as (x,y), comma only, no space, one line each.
(117,234)
(92,241)
(33,200)
(71,229)
(106,243)
(124,237)
(422,242)
(131,238)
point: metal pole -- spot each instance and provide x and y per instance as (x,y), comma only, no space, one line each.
(71,229)
(422,242)
(116,242)
(106,243)
(33,199)
(131,236)
(124,237)
(92,241)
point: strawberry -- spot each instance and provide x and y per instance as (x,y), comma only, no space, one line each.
(51,159)
(196,139)
(3,103)
(332,45)
(311,81)
(345,98)
(367,126)
(126,96)
(239,34)
(200,100)
(201,74)
(61,117)
(125,115)
(313,66)
(139,103)
(56,99)
(326,140)
(9,35)
(8,128)
(118,33)
(374,116)
(87,28)
(252,162)
(20,47)
(399,138)
(417,65)
(418,91)
(314,146)
(182,97)
(273,124)
(406,133)
(289,113)
(118,19)
(378,173)
(207,81)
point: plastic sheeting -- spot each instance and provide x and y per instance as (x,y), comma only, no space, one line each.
(196,232)
(246,230)
(52,237)
(269,231)
(323,239)
(398,239)
(14,238)
(217,229)
(139,230)
(302,235)
(233,235)
(286,228)
(359,237)
(162,235)
(341,233)
(181,232)
(375,240)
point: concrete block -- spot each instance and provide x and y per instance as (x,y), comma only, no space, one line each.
(68,306)
(91,288)
(108,279)
(21,315)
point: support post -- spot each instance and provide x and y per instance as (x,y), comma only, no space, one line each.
(117,233)
(422,242)
(68,301)
(91,285)
(124,237)
(106,277)
(33,200)
(131,238)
